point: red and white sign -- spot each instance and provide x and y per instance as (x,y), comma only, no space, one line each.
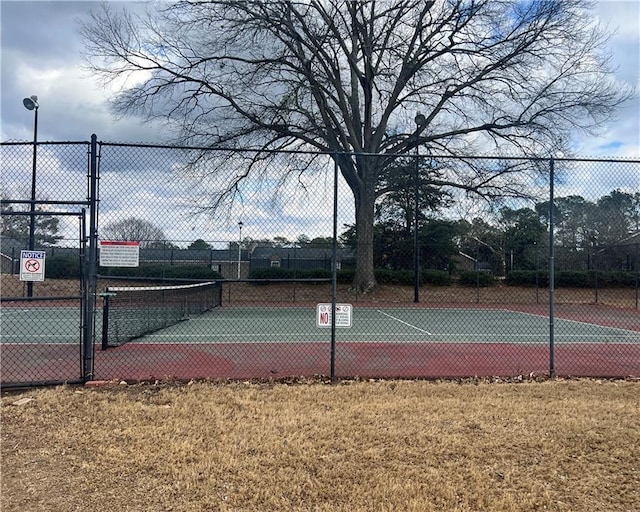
(343,315)
(32,265)
(119,253)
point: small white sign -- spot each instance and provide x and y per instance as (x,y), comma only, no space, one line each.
(119,254)
(32,265)
(343,315)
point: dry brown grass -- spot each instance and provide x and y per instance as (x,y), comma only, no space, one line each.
(566,445)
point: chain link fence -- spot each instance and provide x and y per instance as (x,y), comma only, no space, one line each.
(221,264)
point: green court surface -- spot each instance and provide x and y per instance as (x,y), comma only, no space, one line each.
(299,324)
(40,325)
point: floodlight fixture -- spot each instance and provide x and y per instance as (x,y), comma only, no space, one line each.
(31,102)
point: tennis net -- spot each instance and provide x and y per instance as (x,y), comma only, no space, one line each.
(130,312)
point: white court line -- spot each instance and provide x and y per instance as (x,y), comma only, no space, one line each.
(568,320)
(405,323)
(56,336)
(43,344)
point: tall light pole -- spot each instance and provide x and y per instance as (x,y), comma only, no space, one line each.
(31,103)
(239,247)
(420,120)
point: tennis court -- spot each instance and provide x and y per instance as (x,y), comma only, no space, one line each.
(373,324)
(299,324)
(40,325)
(280,341)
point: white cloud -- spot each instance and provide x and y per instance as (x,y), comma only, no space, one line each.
(41,49)
(620,138)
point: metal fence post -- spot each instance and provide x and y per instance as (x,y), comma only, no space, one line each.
(92,267)
(552,369)
(416,235)
(334,269)
(637,271)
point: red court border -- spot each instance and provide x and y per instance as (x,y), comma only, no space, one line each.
(24,364)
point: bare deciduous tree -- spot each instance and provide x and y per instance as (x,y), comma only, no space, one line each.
(134,229)
(347,77)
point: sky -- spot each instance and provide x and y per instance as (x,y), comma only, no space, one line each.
(40,54)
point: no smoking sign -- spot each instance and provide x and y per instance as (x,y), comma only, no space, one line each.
(32,265)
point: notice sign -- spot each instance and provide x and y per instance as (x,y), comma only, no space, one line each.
(32,265)
(343,315)
(119,254)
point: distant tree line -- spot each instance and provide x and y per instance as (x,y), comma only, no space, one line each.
(515,239)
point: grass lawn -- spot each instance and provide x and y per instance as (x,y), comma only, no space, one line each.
(563,445)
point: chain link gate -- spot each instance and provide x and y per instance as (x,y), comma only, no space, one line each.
(47,323)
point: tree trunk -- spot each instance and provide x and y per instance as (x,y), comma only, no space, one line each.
(364,280)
